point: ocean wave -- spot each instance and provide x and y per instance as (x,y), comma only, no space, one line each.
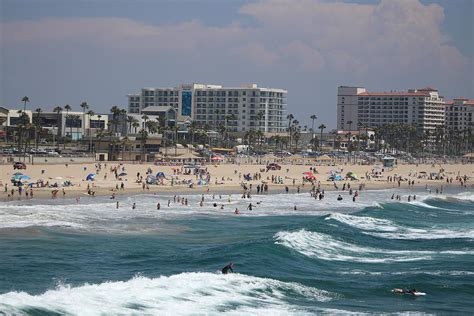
(181,294)
(325,247)
(388,229)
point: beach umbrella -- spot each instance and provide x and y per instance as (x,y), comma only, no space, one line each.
(90,176)
(122,174)
(160,174)
(18,174)
(217,158)
(25,177)
(308,173)
(58,178)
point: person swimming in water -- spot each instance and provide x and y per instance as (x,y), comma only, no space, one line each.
(339,198)
(227,268)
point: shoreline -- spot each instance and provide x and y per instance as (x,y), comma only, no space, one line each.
(45,194)
(229,178)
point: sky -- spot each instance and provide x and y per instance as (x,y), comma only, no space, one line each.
(60,52)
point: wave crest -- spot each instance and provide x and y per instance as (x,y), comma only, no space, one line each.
(185,293)
(325,247)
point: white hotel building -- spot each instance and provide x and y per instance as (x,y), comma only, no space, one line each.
(214,104)
(423,107)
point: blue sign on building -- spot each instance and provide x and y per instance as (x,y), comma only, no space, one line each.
(186,103)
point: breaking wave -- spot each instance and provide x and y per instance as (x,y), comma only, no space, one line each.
(185,293)
(325,247)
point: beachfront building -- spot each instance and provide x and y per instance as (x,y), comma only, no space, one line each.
(357,107)
(63,124)
(240,109)
(11,117)
(460,114)
(75,125)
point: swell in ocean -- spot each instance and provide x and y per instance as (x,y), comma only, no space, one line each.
(324,257)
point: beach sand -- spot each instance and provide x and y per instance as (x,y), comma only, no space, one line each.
(227,176)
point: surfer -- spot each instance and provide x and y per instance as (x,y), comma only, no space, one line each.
(405,291)
(227,268)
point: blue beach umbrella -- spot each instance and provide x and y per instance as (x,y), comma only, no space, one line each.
(160,174)
(90,176)
(122,174)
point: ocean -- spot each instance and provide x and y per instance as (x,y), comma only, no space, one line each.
(326,257)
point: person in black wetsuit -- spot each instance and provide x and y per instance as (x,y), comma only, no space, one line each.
(227,268)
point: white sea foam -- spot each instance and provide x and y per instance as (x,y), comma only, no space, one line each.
(322,246)
(181,294)
(99,214)
(388,229)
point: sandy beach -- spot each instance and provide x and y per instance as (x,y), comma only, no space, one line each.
(223,178)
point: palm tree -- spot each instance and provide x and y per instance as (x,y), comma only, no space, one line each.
(67,107)
(130,120)
(313,117)
(143,138)
(25,100)
(115,110)
(321,128)
(90,113)
(314,143)
(145,119)
(135,125)
(84,107)
(37,124)
(58,111)
(290,118)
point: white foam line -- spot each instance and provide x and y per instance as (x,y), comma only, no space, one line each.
(185,293)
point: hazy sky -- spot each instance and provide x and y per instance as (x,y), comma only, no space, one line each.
(61,52)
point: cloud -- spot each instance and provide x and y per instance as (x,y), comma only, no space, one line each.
(312,35)
(342,43)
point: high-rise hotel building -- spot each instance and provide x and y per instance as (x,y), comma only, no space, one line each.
(356,106)
(241,109)
(460,114)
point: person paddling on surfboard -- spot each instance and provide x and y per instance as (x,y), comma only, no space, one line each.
(227,268)
(405,291)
